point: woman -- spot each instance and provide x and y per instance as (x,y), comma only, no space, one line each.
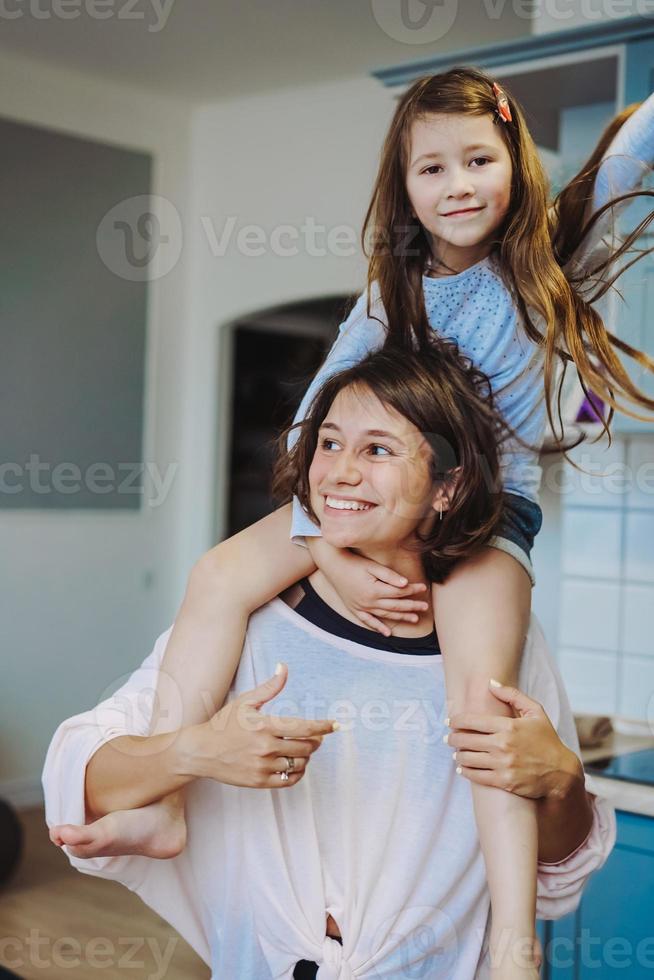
(376,837)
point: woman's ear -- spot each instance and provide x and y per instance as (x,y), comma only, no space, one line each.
(446,490)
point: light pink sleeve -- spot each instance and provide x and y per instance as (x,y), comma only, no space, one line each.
(127,712)
(560,885)
(169,887)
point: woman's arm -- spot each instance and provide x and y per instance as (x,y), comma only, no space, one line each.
(565,821)
(238,746)
(482,615)
(200,660)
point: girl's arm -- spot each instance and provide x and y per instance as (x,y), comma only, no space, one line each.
(524,754)
(527,755)
(226,586)
(358,335)
(482,616)
(625,164)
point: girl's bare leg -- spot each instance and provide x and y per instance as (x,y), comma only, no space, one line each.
(482,616)
(203,652)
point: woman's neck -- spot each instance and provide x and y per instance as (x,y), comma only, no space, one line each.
(408,565)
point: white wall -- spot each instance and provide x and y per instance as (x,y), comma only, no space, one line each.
(84,594)
(272,161)
(551,16)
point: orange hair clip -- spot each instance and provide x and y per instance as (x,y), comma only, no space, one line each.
(502,103)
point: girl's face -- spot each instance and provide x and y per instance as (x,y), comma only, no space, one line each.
(459,183)
(371,456)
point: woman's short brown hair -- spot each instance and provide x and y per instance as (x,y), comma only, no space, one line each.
(450,402)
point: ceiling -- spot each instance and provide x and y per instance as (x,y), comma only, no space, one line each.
(205,50)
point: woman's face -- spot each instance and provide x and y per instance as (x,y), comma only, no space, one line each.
(458,180)
(369,480)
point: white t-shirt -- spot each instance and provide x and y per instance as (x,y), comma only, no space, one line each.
(380,832)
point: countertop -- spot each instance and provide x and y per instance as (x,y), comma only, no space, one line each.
(630,797)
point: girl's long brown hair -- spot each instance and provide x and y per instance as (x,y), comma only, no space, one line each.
(533,244)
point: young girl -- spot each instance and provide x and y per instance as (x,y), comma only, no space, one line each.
(463,244)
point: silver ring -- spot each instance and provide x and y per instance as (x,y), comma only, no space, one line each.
(290,766)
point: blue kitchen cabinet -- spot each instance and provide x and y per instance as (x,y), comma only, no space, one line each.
(611,934)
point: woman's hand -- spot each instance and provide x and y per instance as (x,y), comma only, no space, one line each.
(371,591)
(242,747)
(523,755)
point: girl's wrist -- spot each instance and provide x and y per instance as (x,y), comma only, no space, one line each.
(186,753)
(512,945)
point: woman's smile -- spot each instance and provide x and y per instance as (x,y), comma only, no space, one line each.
(346,505)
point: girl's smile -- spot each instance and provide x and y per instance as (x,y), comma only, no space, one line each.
(466,212)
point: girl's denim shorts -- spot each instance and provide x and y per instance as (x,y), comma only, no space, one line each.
(521,522)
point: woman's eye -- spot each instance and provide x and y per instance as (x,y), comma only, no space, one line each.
(326,443)
(383,449)
(482,159)
(434,167)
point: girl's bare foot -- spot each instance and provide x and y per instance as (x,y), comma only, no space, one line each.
(157,831)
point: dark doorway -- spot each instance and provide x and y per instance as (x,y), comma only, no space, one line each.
(275,355)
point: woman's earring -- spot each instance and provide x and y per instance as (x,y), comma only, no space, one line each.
(440,507)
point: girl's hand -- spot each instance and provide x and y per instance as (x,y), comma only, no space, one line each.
(371,591)
(242,747)
(522,755)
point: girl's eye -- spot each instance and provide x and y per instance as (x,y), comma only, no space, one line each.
(383,449)
(326,443)
(437,167)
